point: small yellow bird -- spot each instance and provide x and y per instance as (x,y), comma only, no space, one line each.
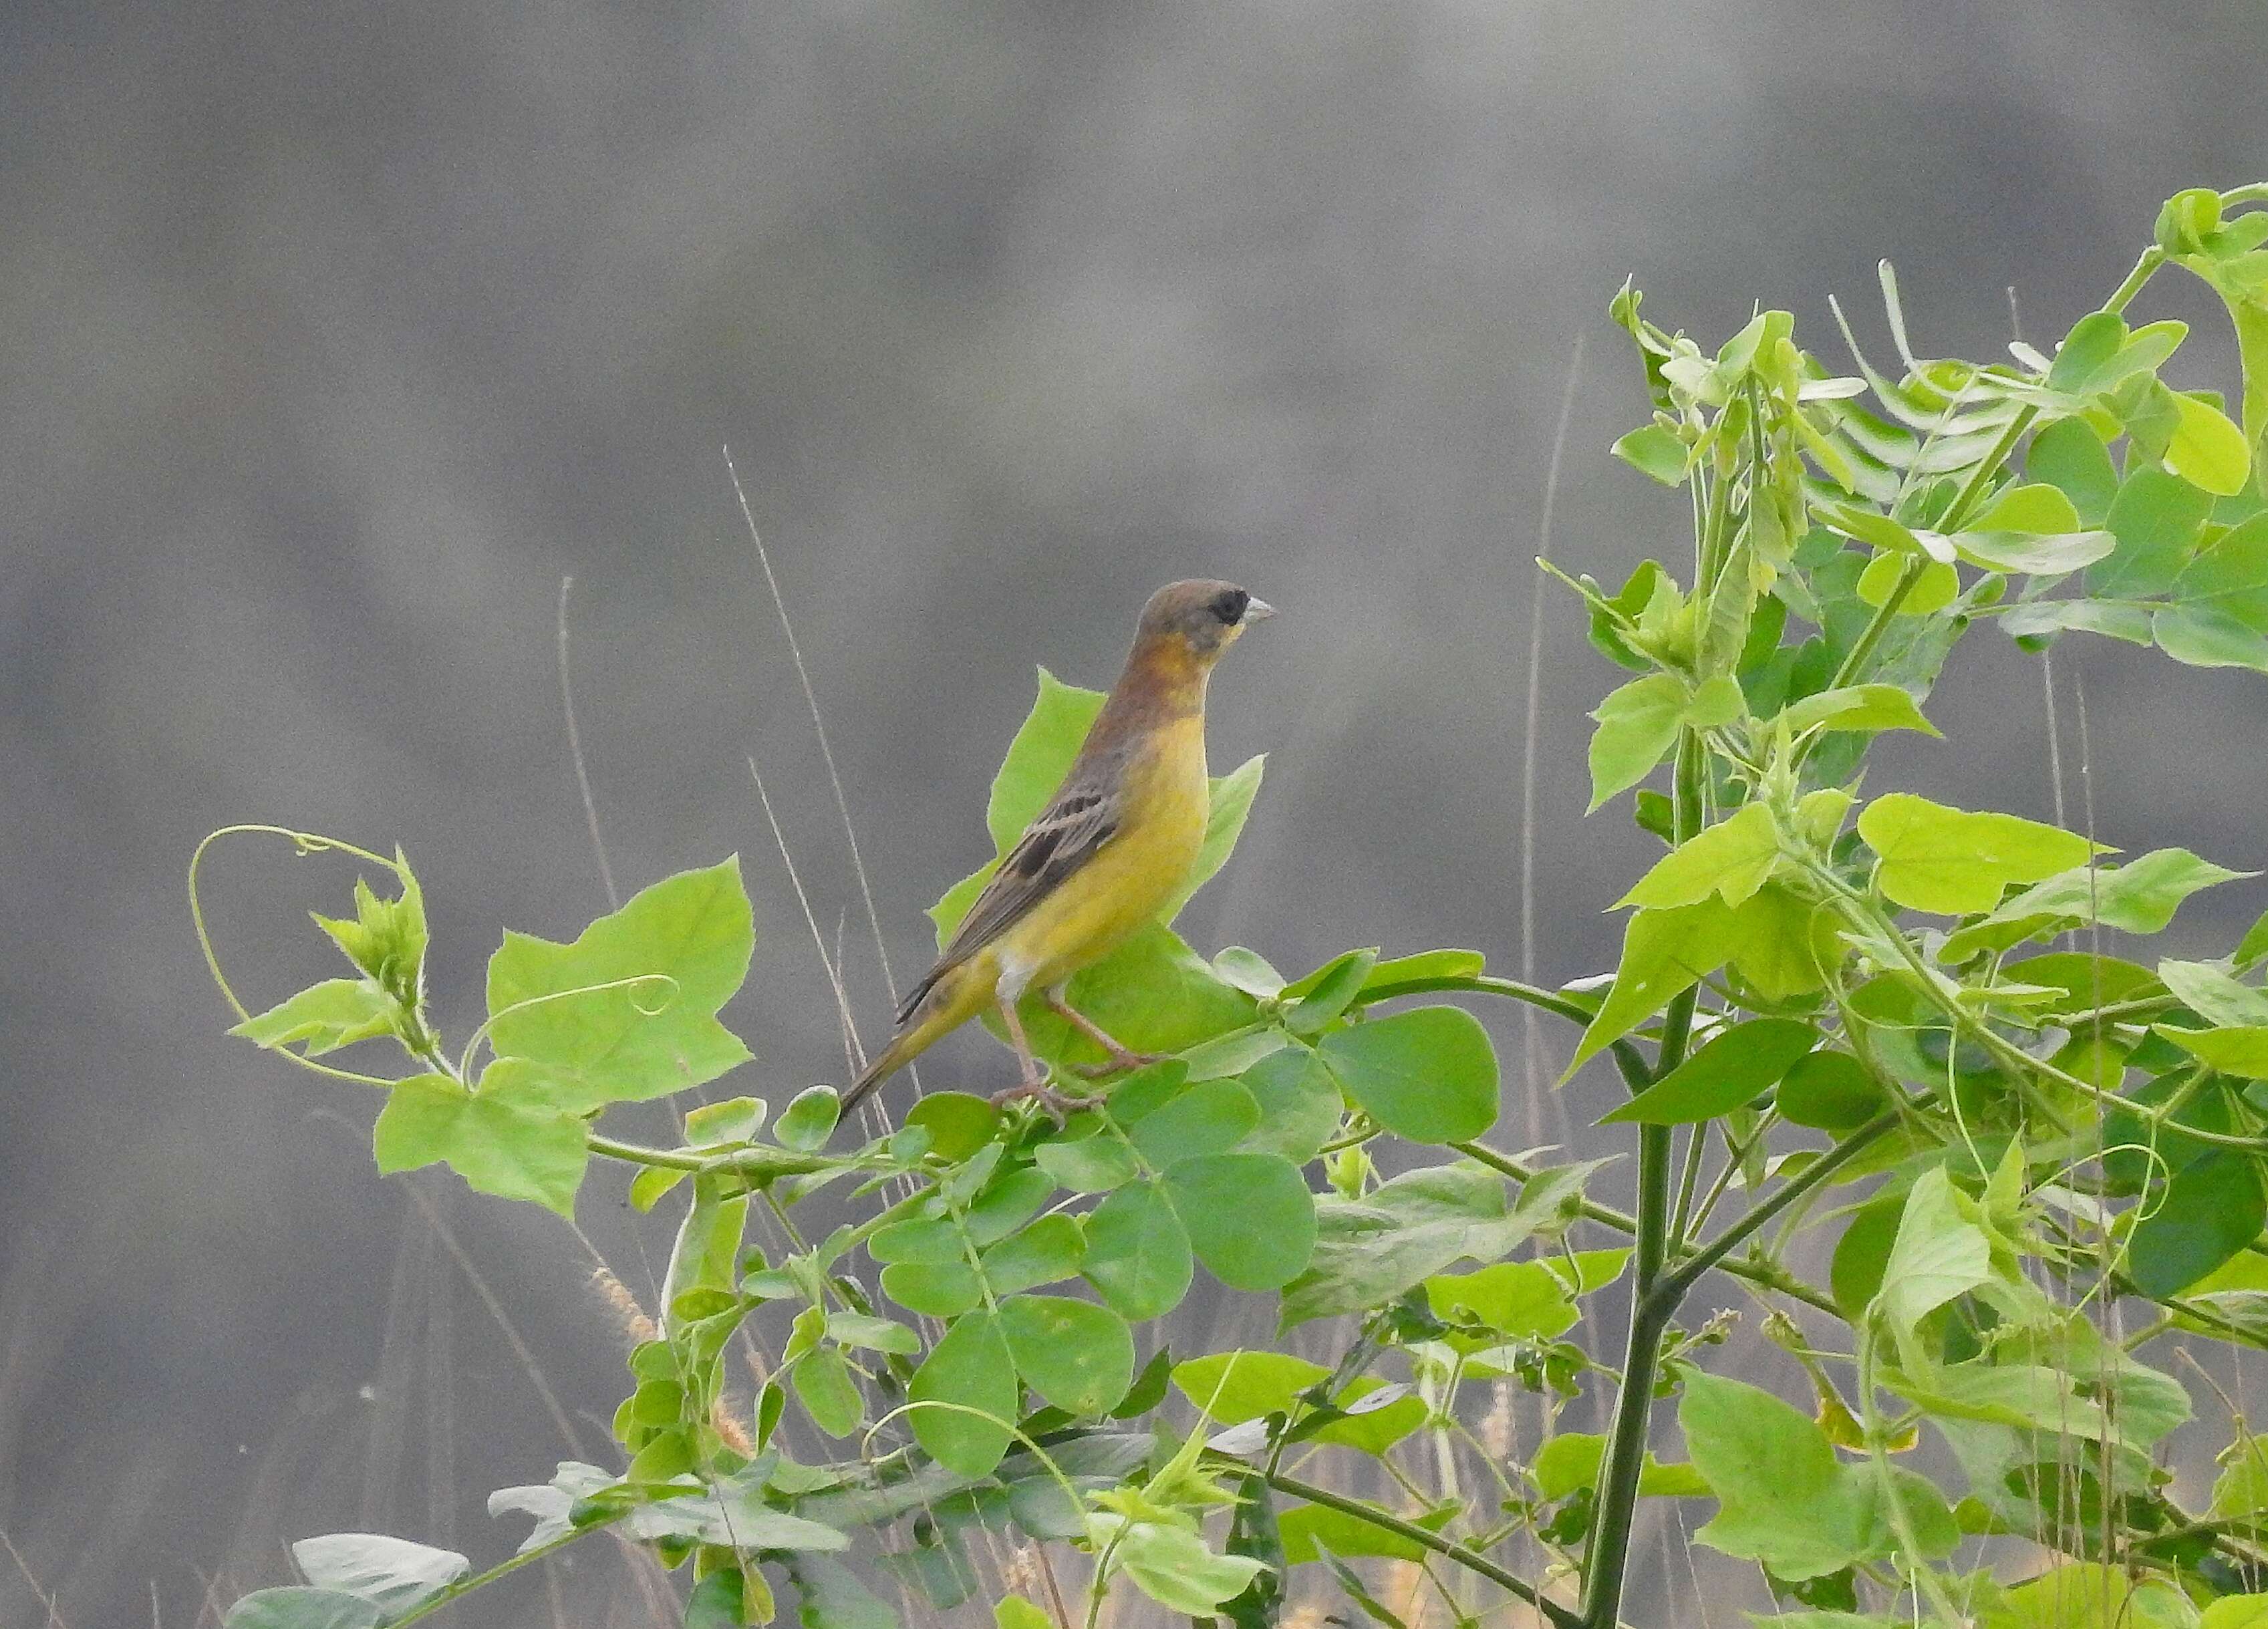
(1117,841)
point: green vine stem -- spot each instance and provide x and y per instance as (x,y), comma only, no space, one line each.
(1606,1556)
(1472,1562)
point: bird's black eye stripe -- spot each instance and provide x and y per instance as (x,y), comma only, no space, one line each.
(1229,604)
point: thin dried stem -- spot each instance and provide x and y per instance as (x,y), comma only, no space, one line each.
(575,751)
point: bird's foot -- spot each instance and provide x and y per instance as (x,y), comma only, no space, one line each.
(1062,1105)
(1120,1062)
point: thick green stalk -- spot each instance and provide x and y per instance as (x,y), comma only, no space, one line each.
(1607,1556)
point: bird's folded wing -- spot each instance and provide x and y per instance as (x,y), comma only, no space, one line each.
(1066,835)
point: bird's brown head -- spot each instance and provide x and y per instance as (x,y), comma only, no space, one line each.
(1196,620)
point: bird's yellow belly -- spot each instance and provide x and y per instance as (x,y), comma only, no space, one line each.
(1132,877)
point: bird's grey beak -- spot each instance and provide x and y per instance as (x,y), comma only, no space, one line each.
(1258,610)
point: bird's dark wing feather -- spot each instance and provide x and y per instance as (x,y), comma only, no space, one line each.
(1066,835)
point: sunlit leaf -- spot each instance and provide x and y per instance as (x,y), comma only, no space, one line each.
(1950,861)
(506,1138)
(672,956)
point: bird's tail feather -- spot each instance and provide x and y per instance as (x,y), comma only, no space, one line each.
(886,1063)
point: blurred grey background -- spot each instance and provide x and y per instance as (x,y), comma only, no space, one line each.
(336,335)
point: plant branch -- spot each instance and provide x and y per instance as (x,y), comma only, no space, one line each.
(1447,1549)
(1762,1274)
(1679,1278)
(466,1585)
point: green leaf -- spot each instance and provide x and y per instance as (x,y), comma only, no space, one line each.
(2086,352)
(2051,555)
(1300,1104)
(1039,756)
(1092,1164)
(1937,586)
(1233,1387)
(1046,1252)
(971,1369)
(1328,991)
(1310,1531)
(687,941)
(2230,573)
(2206,450)
(2211,1210)
(1664,952)
(503,1139)
(2157,518)
(924,1240)
(2241,1051)
(1211,1116)
(1570,1461)
(1881,531)
(938,1289)
(1370,1428)
(297,1608)
(1653,450)
(2212,995)
(2204,637)
(1784,1498)
(2043,617)
(1828,1091)
(1076,1355)
(1009,1201)
(1862,1254)
(1866,708)
(1153,993)
(1938,1253)
(807,1122)
(1731,1070)
(2070,457)
(1013,1611)
(959,1123)
(325,1017)
(1428,1074)
(2139,898)
(858,1329)
(392,1574)
(1524,1299)
(1250,1217)
(1731,859)
(2085,1594)
(1638,724)
(2235,1611)
(1784,944)
(1137,1253)
(2036,506)
(832,1597)
(716,1602)
(824,1387)
(1952,862)
(735,1120)
(1369,1250)
(1172,1565)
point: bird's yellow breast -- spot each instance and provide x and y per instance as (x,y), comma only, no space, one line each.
(1133,876)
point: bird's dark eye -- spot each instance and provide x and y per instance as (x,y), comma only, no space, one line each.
(1228,605)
